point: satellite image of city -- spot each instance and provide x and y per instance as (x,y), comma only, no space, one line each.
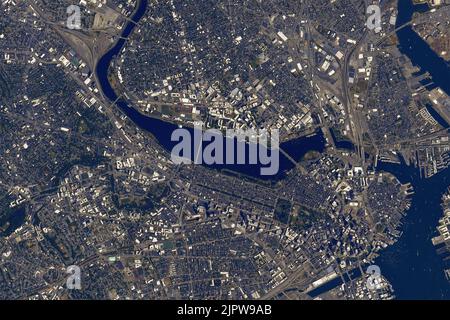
(255,151)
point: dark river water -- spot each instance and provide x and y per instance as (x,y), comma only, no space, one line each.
(411,265)
(162,130)
(14,220)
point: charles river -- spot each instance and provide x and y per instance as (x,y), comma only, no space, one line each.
(412,264)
